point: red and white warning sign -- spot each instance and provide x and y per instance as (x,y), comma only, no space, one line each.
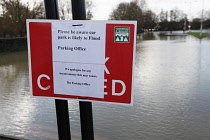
(84,60)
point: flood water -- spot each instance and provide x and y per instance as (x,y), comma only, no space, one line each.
(171,96)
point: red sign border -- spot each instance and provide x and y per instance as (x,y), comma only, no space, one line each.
(76,21)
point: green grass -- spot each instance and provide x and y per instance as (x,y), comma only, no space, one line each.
(197,34)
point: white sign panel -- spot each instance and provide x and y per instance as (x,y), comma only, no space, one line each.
(78,58)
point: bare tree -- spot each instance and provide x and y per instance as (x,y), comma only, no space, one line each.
(15,14)
(37,10)
(163,16)
(89,6)
(150,20)
(128,11)
(143,5)
(65,9)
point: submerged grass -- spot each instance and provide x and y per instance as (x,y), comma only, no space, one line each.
(197,34)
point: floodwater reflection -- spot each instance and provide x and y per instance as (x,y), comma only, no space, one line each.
(171,96)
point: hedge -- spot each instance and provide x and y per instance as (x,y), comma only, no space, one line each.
(13,44)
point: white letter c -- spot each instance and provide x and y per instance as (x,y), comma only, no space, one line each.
(39,81)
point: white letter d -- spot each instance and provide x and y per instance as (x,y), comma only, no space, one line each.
(113,87)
